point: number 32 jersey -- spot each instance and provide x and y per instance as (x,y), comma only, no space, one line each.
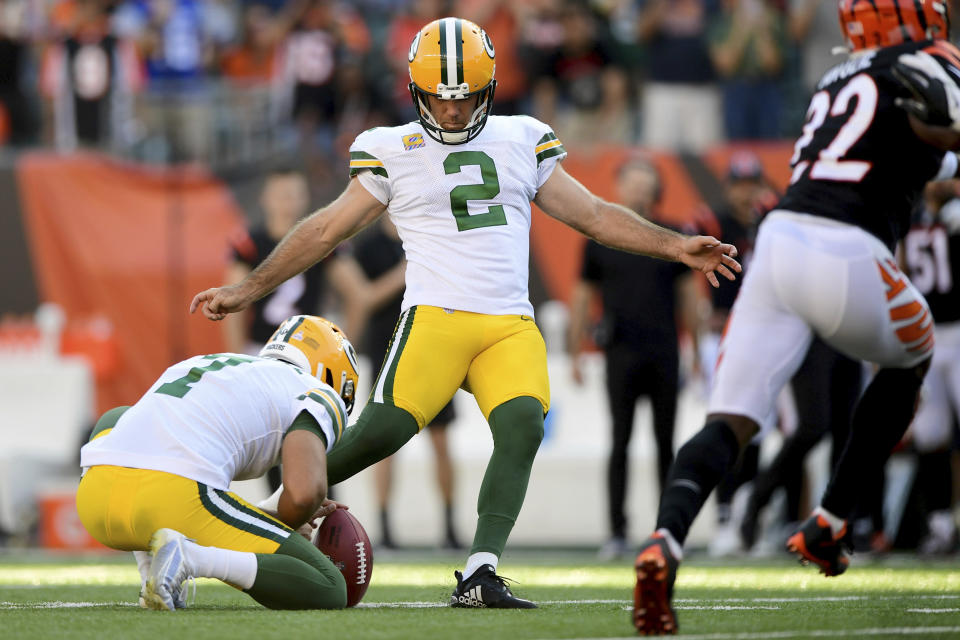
(219,418)
(858,160)
(462,211)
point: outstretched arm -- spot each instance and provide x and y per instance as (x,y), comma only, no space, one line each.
(565,199)
(305,245)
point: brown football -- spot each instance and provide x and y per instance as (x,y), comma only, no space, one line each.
(342,538)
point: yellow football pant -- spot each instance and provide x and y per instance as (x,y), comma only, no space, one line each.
(434,351)
(122,507)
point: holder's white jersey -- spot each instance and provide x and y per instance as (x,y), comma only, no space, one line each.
(462,211)
(218,418)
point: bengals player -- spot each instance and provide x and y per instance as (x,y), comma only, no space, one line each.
(876,132)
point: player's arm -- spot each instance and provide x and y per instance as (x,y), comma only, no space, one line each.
(565,199)
(304,458)
(934,105)
(583,293)
(307,243)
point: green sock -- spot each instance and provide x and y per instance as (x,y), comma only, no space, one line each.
(517,427)
(379,432)
(298,576)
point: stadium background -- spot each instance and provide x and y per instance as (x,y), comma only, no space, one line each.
(119,233)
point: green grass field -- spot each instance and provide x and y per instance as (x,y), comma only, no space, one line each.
(56,596)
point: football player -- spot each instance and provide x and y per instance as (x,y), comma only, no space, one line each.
(932,257)
(157,474)
(877,130)
(458,184)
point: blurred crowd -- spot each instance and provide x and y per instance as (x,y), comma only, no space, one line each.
(217,80)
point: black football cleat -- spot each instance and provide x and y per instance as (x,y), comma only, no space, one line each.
(656,568)
(486,589)
(814,542)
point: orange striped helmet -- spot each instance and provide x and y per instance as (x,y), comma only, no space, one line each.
(868,24)
(452,59)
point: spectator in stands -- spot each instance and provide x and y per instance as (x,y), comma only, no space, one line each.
(181,41)
(17,122)
(747,41)
(590,91)
(644,300)
(325,34)
(380,255)
(90,76)
(681,104)
(501,19)
(255,59)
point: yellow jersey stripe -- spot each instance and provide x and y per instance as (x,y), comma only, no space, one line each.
(548,145)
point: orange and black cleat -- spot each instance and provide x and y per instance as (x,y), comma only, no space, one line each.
(814,542)
(656,569)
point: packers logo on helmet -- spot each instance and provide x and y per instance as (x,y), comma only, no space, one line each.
(452,59)
(319,347)
(867,24)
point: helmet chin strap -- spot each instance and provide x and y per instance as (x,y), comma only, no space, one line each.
(453,137)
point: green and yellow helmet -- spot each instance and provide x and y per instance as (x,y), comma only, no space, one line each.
(452,59)
(320,348)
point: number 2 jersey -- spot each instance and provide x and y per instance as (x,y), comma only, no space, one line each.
(462,211)
(219,418)
(858,160)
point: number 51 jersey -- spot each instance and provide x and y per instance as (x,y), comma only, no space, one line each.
(858,160)
(462,211)
(218,418)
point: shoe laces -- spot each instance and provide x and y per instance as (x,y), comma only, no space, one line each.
(182,601)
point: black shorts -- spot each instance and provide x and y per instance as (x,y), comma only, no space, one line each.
(447,415)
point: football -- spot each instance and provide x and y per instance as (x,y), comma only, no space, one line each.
(342,538)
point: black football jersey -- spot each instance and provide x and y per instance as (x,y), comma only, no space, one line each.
(300,294)
(857,159)
(931,251)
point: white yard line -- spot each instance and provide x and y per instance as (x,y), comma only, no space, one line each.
(62,605)
(933,610)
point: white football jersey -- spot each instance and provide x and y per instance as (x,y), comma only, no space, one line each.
(217,418)
(462,211)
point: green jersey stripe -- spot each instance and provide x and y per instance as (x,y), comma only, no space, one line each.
(444,79)
(547,137)
(337,416)
(237,515)
(549,153)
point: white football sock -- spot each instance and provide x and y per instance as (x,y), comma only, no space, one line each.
(672,544)
(238,568)
(836,524)
(477,560)
(143,565)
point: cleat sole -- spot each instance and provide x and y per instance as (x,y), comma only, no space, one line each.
(652,613)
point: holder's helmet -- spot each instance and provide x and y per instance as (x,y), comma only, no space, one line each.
(320,348)
(452,59)
(867,24)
